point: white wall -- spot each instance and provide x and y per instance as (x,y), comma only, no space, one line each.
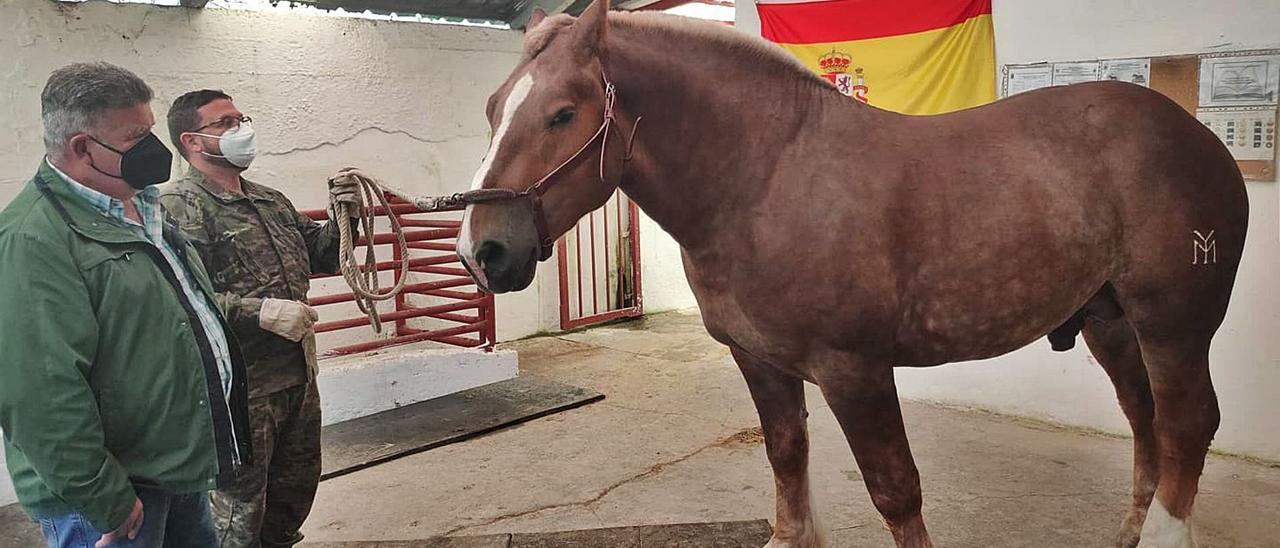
(661,270)
(746,18)
(1029,31)
(1069,387)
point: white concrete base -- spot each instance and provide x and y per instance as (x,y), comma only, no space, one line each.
(7,495)
(355,386)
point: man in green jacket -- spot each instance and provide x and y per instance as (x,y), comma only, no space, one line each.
(260,253)
(123,401)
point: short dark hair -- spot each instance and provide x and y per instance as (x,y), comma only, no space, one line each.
(183,116)
(77,94)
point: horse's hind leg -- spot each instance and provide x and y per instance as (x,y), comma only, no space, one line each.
(864,399)
(779,400)
(1114,346)
(1186,418)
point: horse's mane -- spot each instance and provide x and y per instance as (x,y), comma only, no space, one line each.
(692,35)
(539,37)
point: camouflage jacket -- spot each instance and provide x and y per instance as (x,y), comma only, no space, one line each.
(255,246)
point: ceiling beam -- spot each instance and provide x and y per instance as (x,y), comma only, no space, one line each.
(459,9)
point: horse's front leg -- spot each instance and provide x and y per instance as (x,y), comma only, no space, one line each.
(864,399)
(779,400)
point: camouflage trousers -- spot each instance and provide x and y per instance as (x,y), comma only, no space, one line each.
(271,500)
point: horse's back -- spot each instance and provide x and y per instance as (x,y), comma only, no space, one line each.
(1141,139)
(1112,160)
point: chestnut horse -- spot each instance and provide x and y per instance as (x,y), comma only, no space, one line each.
(829,241)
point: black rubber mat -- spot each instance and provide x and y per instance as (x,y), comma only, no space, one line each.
(374,439)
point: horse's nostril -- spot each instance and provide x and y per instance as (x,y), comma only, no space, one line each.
(490,254)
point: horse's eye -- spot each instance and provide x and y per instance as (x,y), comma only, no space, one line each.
(564,116)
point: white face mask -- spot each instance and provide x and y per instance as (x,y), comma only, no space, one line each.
(239,145)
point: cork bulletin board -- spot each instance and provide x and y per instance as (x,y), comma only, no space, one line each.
(1236,98)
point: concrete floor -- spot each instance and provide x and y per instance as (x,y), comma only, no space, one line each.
(736,534)
(675,442)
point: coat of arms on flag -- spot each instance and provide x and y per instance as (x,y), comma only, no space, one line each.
(835,68)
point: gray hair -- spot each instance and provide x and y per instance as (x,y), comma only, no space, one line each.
(77,94)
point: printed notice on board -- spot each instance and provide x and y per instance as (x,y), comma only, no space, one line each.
(1248,132)
(1026,78)
(1074,73)
(1246,80)
(1134,71)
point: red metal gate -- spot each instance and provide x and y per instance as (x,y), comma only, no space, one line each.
(600,266)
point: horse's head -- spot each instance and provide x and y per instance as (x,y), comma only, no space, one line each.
(555,153)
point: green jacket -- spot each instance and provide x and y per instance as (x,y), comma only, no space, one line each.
(105,374)
(256,246)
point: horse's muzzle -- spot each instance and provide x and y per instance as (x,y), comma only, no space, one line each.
(501,269)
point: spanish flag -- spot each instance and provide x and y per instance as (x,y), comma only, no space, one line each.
(909,56)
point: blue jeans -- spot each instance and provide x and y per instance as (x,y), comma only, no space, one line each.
(168,521)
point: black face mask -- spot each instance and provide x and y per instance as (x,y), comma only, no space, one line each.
(146,163)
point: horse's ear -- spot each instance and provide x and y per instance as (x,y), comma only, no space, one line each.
(535,19)
(589,29)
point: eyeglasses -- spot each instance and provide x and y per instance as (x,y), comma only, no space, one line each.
(226,122)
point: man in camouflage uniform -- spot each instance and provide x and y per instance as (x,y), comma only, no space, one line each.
(260,253)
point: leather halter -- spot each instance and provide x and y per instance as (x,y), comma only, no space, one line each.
(535,191)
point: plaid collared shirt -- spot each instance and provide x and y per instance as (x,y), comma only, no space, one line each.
(147,202)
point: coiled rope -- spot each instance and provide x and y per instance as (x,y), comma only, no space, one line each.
(363,277)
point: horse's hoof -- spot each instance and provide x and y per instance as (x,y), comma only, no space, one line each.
(1162,530)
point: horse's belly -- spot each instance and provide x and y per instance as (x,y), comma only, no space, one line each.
(970,318)
(964,295)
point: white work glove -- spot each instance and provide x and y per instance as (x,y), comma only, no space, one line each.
(289,319)
(344,189)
